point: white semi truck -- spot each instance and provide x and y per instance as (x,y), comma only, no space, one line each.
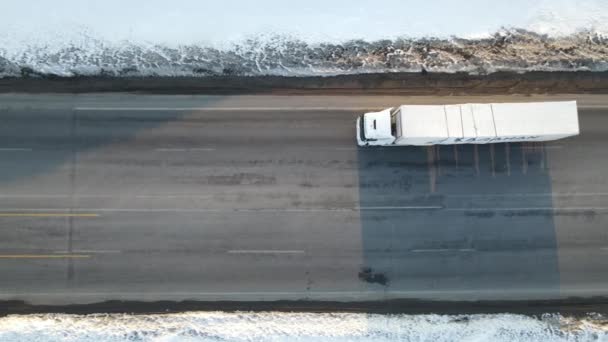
(471,123)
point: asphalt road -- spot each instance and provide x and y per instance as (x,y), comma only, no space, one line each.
(135,197)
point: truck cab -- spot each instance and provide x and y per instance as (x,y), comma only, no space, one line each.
(375,129)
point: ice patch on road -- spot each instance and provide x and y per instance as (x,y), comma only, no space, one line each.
(273,326)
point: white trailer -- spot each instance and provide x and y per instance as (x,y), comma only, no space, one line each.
(471,123)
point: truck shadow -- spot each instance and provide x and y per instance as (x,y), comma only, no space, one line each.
(463,222)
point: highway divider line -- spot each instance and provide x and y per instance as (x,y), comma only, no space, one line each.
(15,149)
(197,149)
(294,295)
(33,214)
(443,250)
(106,196)
(89,251)
(221,109)
(345,148)
(44,256)
(209,210)
(195,195)
(547,194)
(431,207)
(263,251)
(254,109)
(531,209)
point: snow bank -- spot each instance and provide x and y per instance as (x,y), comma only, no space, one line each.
(218,326)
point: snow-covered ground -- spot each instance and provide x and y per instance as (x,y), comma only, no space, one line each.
(217,326)
(313,37)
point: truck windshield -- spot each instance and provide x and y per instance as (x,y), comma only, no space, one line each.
(362,128)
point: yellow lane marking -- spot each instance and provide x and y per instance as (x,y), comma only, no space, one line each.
(46,215)
(44,256)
